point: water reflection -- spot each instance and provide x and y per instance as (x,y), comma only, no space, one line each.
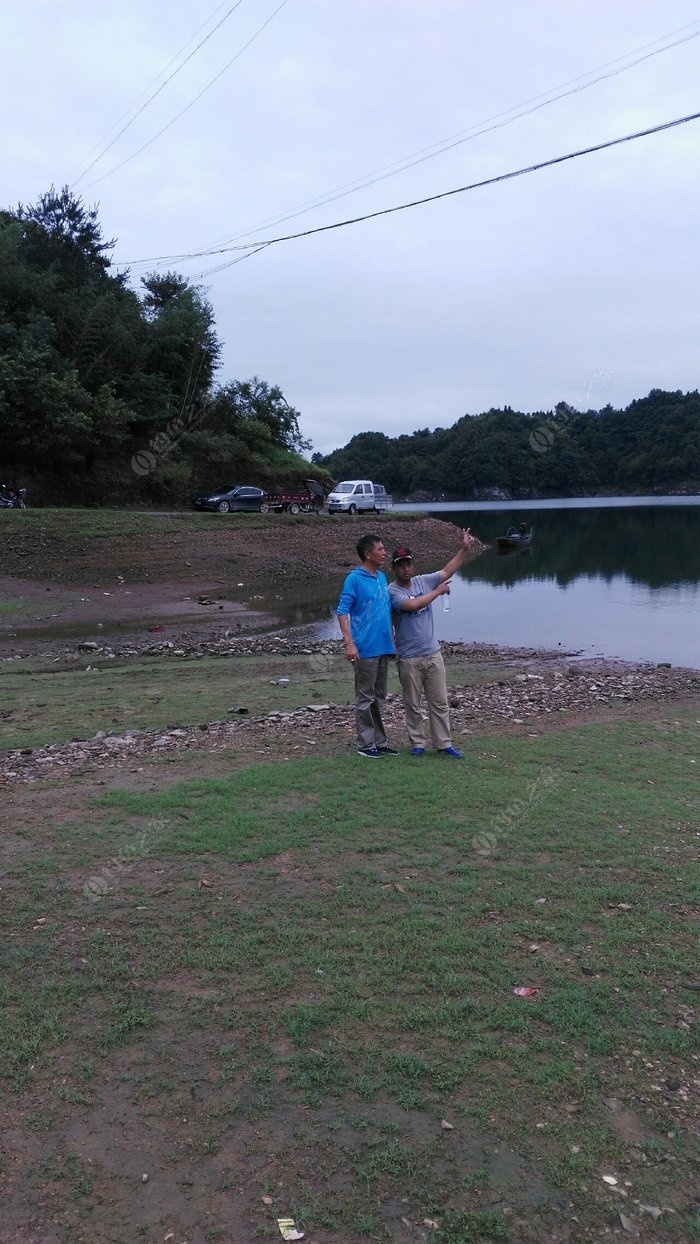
(301,603)
(619,580)
(651,545)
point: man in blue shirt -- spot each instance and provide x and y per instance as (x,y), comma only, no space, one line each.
(364,616)
(420,666)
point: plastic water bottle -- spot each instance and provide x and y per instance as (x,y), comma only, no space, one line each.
(446,602)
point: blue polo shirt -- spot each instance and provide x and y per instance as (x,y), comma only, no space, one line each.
(365,597)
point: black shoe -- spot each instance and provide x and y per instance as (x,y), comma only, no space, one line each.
(387,751)
(372,753)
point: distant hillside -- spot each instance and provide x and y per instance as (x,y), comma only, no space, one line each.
(652,446)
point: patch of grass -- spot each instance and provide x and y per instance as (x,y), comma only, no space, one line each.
(128,1017)
(42,702)
(322,1007)
(8,607)
(471,1227)
(32,1021)
(304,1020)
(316,1073)
(68,1168)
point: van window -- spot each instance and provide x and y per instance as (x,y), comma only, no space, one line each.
(367,488)
(358,488)
(345,487)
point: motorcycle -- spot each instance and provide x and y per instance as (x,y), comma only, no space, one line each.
(12,498)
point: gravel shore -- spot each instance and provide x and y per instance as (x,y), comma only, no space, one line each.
(546,689)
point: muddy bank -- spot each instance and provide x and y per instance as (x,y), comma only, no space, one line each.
(103,550)
(55,618)
(124,575)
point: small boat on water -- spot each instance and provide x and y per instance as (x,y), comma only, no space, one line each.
(515,538)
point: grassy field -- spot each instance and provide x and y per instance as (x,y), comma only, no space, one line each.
(289,991)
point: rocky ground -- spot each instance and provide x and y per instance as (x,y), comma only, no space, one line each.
(546,690)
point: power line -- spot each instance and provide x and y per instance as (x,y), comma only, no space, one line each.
(151,84)
(538,101)
(193,101)
(429,153)
(433,198)
(153,96)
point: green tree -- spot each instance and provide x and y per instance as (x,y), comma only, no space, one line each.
(182,350)
(255,409)
(91,372)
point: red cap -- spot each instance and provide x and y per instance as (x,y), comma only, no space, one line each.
(401,555)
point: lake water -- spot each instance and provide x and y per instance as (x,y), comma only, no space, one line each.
(604,577)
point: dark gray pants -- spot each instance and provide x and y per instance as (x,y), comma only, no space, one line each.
(370,693)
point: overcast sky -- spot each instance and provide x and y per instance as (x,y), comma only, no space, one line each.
(577,283)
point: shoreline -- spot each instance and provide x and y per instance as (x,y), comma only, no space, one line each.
(238,629)
(150,584)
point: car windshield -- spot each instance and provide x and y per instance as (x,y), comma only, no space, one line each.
(224,488)
(345,488)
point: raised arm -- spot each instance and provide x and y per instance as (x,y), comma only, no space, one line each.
(469,542)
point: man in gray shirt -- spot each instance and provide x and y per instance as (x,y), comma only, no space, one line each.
(420,666)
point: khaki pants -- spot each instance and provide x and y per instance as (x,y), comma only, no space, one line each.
(425,674)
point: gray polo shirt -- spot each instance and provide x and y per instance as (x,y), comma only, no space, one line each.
(414,633)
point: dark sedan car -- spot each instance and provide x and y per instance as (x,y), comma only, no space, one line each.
(238,498)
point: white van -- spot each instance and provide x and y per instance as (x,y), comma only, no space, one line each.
(354,495)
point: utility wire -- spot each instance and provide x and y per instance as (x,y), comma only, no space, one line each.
(192,101)
(433,198)
(538,101)
(428,153)
(145,91)
(153,96)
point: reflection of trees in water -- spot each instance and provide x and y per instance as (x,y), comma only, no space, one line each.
(654,545)
(301,604)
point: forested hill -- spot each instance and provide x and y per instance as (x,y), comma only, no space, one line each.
(653,446)
(107,396)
